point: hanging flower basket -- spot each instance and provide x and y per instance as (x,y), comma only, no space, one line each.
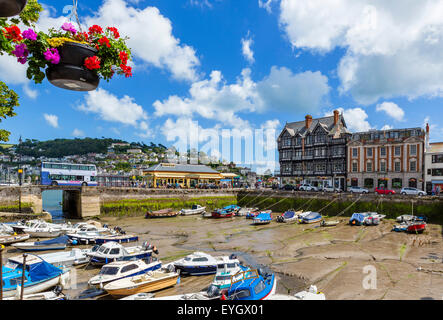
(70,72)
(9,8)
(70,59)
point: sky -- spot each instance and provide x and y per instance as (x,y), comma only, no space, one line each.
(227,68)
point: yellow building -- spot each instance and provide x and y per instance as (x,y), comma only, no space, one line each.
(186,175)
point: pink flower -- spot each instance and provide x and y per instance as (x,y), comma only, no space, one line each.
(29,34)
(52,55)
(69,27)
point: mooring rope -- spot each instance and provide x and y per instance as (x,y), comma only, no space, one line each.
(306,203)
(327,205)
(250,201)
(343,211)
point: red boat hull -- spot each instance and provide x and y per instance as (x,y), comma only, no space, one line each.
(416,228)
(219,215)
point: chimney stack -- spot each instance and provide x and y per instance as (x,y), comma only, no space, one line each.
(427,128)
(427,137)
(308,121)
(336,116)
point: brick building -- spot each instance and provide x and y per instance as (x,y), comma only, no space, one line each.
(390,158)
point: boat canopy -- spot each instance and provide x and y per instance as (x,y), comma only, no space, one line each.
(42,271)
(312,216)
(62,240)
(263,216)
(360,217)
(289,214)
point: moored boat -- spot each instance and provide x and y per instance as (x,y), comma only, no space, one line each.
(244,211)
(311,294)
(164,213)
(144,283)
(312,217)
(113,251)
(289,216)
(39,276)
(55,294)
(416,227)
(222,213)
(122,269)
(196,209)
(196,264)
(262,218)
(252,284)
(64,258)
(13,238)
(59,243)
(325,223)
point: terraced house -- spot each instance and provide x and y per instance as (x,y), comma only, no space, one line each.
(314,151)
(387,158)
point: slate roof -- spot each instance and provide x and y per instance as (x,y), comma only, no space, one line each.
(177,167)
(299,127)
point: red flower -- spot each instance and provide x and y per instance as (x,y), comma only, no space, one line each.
(92,63)
(114,31)
(104,41)
(81,36)
(95,29)
(123,57)
(13,33)
(127,70)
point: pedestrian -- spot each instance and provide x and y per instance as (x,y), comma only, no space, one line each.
(438,190)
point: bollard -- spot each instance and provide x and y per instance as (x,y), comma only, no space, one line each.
(23,276)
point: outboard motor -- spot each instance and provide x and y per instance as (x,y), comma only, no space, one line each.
(57,290)
(213,291)
(171,268)
(232,256)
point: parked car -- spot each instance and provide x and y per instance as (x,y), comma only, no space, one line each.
(288,187)
(331,189)
(384,191)
(358,190)
(412,191)
(307,187)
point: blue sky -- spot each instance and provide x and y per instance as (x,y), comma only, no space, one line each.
(250,64)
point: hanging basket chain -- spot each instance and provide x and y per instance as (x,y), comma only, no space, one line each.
(74,13)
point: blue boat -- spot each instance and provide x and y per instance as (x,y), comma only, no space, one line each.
(232,208)
(311,218)
(262,218)
(289,216)
(251,285)
(59,243)
(357,219)
(251,215)
(39,276)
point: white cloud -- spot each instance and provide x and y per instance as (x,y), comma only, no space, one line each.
(392,110)
(201,3)
(51,119)
(215,99)
(78,133)
(387,127)
(393,48)
(111,108)
(266,4)
(151,37)
(246,48)
(13,72)
(355,118)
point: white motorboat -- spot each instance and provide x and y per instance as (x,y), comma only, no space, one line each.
(64,258)
(311,294)
(203,295)
(196,209)
(88,234)
(113,251)
(226,268)
(196,264)
(51,244)
(6,229)
(13,238)
(244,211)
(121,269)
(405,218)
(21,225)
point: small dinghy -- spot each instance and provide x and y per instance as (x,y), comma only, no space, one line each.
(400,227)
(113,251)
(39,276)
(56,294)
(13,238)
(405,218)
(212,293)
(122,269)
(262,218)
(59,243)
(289,216)
(144,283)
(64,258)
(244,211)
(325,223)
(196,209)
(165,213)
(253,284)
(120,238)
(312,217)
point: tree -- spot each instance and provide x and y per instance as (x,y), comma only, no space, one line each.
(8,101)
